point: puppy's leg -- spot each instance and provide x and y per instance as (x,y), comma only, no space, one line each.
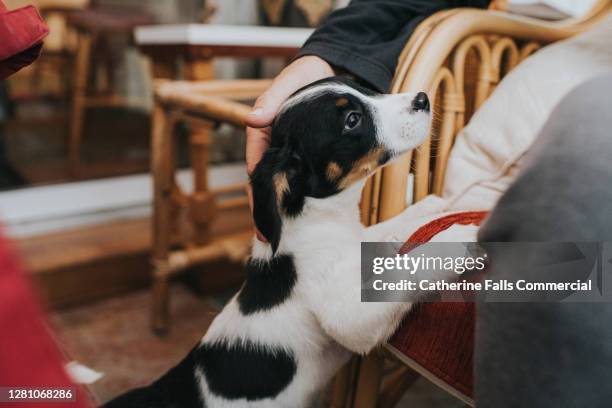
(335,298)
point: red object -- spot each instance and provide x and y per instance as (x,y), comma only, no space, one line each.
(439,337)
(21,34)
(29,356)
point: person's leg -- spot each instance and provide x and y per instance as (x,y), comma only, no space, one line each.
(553,354)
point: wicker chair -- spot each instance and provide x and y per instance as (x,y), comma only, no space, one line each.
(459,56)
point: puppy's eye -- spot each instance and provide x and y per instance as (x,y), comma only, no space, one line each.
(352,120)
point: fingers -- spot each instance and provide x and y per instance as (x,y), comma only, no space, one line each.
(256,144)
(299,73)
(266,106)
(257,141)
(258,234)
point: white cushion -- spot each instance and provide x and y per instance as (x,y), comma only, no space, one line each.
(488,152)
(486,156)
(550,9)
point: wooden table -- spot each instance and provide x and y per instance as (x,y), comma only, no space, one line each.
(187,52)
(196,45)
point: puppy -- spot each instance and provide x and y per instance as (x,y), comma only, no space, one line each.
(298,315)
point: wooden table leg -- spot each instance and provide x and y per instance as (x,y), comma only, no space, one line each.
(108,64)
(163,179)
(162,226)
(200,139)
(198,70)
(79,89)
(202,201)
(163,69)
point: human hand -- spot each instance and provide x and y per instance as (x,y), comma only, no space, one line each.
(299,73)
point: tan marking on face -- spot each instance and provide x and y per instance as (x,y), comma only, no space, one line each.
(362,167)
(281,186)
(341,102)
(333,171)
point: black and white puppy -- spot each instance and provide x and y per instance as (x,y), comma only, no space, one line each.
(298,315)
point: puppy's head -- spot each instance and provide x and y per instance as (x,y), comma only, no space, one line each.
(326,137)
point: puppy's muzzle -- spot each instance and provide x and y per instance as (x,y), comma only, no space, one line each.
(420,102)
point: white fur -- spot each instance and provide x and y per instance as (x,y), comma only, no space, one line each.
(401,128)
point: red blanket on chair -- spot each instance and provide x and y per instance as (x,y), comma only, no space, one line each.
(21,34)
(437,339)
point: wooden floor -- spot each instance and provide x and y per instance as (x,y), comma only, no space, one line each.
(113,337)
(86,264)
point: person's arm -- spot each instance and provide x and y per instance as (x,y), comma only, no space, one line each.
(366,37)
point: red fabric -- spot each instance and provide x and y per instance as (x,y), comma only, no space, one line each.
(29,357)
(440,336)
(21,34)
(433,228)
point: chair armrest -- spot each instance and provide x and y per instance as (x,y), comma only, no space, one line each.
(214,100)
(239,89)
(453,28)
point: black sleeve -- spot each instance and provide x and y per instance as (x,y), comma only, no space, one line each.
(366,37)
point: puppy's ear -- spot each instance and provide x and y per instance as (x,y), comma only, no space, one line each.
(278,188)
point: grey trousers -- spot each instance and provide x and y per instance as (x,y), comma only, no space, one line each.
(553,354)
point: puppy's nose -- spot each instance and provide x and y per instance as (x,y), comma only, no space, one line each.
(421,102)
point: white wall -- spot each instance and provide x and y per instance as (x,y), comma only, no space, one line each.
(38,210)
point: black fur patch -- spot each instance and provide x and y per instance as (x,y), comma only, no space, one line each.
(246,370)
(176,389)
(384,158)
(266,211)
(268,283)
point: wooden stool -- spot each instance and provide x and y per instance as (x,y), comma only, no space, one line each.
(183,220)
(94,27)
(58,52)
